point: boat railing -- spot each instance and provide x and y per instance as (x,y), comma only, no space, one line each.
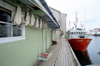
(88,36)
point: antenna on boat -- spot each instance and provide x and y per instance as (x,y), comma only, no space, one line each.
(69,25)
(84,18)
(76,21)
(81,25)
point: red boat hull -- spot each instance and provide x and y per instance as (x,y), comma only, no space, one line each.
(79,44)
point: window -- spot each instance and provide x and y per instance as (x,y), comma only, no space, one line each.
(71,32)
(7,29)
(17,30)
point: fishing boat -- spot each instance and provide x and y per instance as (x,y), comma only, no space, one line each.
(77,38)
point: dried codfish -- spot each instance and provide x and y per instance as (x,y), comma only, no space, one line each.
(43,24)
(40,23)
(46,26)
(37,23)
(18,16)
(13,15)
(23,20)
(32,20)
(27,19)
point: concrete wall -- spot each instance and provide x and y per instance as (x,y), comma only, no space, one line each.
(61,18)
(63,22)
(24,52)
(56,14)
(57,34)
(53,34)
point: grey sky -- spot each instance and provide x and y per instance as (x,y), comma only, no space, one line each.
(89,8)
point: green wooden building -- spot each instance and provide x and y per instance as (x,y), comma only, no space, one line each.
(19,44)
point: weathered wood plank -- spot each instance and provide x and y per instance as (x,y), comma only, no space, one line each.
(62,55)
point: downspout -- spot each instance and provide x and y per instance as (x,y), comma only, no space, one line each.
(51,35)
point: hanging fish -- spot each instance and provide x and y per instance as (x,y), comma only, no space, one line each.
(46,25)
(32,20)
(40,23)
(27,19)
(13,15)
(37,23)
(43,24)
(18,16)
(23,20)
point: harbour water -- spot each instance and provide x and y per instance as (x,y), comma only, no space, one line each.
(91,56)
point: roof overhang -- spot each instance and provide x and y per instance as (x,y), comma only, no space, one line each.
(42,11)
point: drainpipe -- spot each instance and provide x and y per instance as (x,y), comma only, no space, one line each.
(51,34)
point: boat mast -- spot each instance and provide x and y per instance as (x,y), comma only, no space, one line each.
(76,21)
(69,25)
(84,19)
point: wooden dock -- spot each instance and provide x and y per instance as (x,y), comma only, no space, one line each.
(62,55)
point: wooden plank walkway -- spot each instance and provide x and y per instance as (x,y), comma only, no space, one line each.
(62,55)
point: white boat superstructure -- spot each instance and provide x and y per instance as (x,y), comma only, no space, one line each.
(76,34)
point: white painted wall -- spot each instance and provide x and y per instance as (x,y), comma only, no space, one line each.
(61,19)
(63,22)
(57,34)
(56,14)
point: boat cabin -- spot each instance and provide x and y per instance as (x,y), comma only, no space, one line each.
(76,34)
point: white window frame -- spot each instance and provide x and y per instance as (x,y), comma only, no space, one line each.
(15,38)
(11,39)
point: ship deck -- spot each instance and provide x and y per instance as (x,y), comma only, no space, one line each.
(62,55)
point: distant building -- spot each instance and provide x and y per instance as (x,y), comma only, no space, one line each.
(97,29)
(61,19)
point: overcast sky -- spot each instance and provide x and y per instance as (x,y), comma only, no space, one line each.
(89,8)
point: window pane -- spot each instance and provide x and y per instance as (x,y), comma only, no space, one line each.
(4,16)
(5,30)
(17,30)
